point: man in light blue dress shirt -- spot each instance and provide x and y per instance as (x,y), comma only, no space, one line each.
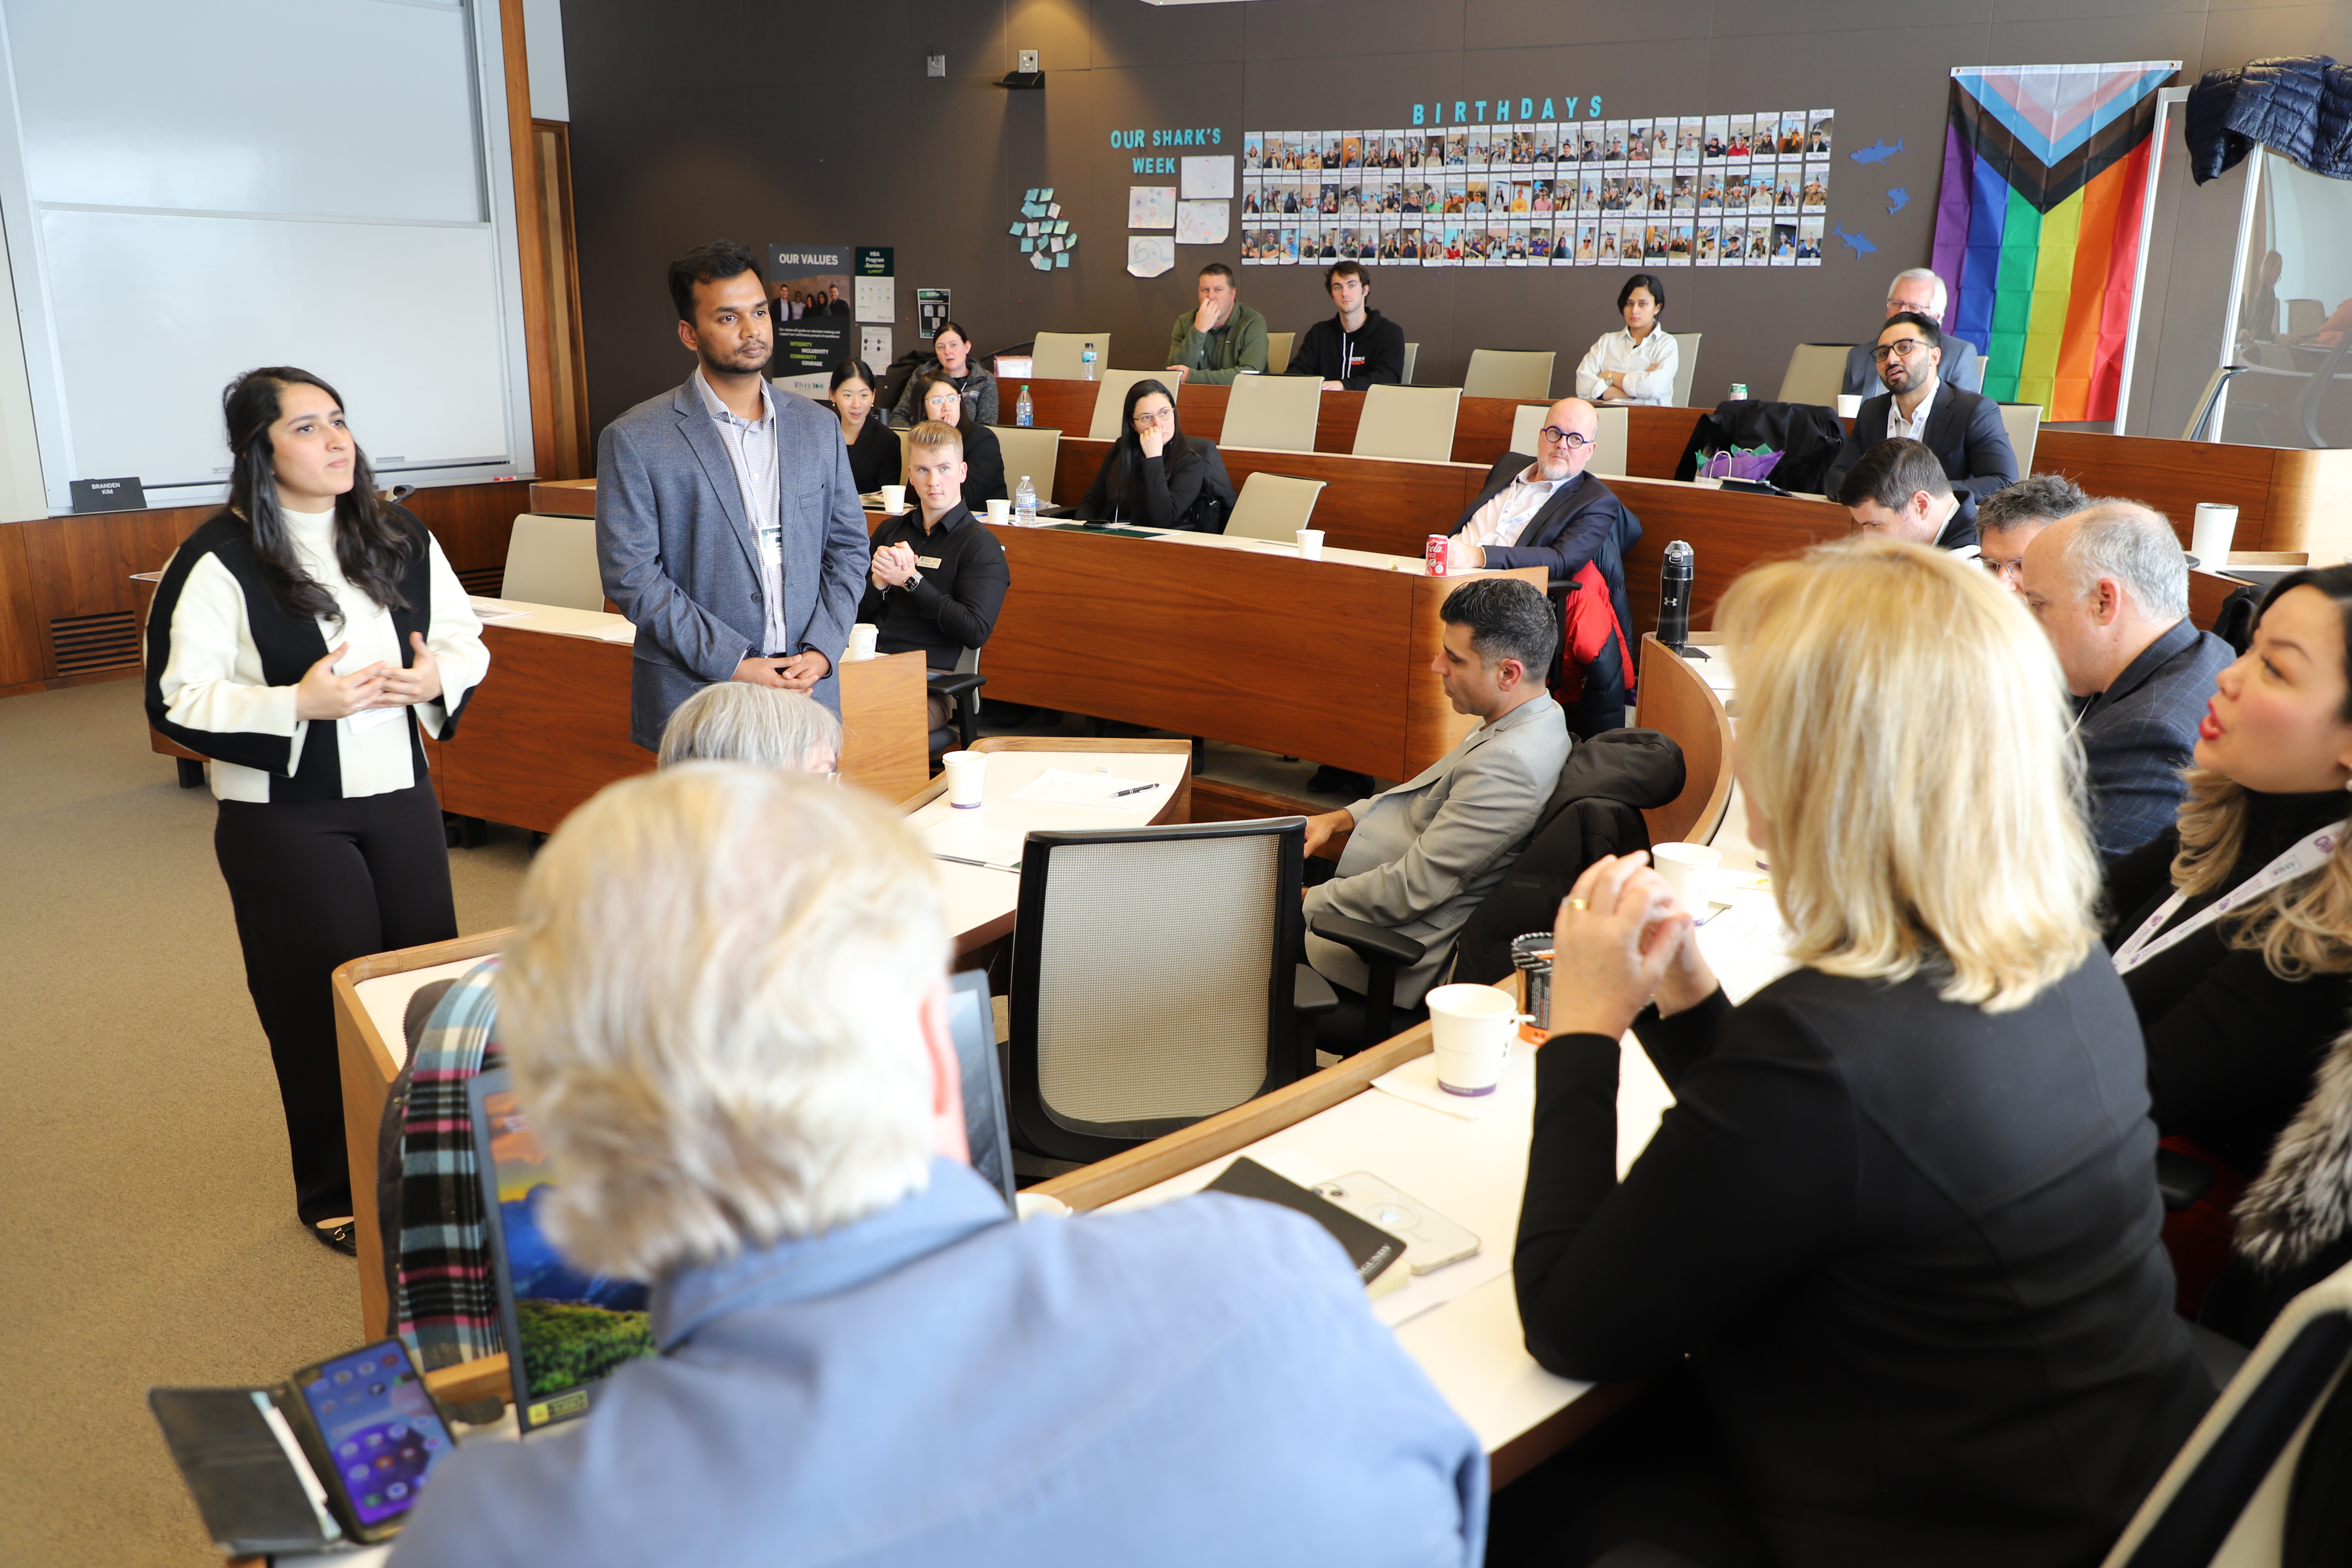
(754,1102)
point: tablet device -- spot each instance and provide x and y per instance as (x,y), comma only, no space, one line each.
(987,1128)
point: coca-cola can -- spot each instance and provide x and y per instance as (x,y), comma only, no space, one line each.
(1435,554)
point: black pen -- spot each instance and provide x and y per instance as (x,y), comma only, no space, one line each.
(1137,790)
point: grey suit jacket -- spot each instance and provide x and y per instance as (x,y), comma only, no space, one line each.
(1963,367)
(2140,732)
(1424,854)
(676,551)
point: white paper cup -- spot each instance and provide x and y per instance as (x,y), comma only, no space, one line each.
(1689,870)
(2210,535)
(1000,510)
(1849,404)
(967,778)
(861,640)
(894,498)
(1039,1205)
(1310,544)
(1471,1028)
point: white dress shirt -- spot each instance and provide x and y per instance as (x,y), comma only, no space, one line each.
(752,452)
(1648,366)
(1915,427)
(1501,519)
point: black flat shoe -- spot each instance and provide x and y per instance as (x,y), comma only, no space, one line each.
(344,1237)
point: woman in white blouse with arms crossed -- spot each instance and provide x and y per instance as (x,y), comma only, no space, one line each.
(1638,363)
(299,639)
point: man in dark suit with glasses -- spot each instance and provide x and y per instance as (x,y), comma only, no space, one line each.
(1962,428)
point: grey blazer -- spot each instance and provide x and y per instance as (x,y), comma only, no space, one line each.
(1424,854)
(676,552)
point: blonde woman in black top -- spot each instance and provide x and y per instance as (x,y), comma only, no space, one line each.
(302,640)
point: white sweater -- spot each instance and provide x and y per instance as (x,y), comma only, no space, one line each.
(1649,366)
(213,679)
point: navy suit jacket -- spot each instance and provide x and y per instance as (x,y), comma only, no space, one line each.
(1965,432)
(2139,733)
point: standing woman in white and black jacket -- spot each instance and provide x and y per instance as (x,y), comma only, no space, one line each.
(291,639)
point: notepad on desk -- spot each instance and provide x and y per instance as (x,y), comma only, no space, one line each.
(970,843)
(496,610)
(1060,786)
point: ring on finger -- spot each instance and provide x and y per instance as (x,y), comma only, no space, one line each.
(1580,903)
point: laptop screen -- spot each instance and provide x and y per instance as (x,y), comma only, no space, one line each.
(986,1127)
(565,1331)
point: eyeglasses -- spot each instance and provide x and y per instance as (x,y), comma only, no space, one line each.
(1162,416)
(1571,439)
(1901,348)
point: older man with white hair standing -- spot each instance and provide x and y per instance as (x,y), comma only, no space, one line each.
(1919,289)
(2110,586)
(726,1009)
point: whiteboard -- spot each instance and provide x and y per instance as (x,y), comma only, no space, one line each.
(169,229)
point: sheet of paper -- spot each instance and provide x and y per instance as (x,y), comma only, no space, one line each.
(963,836)
(1149,254)
(1426,1292)
(1208,178)
(1417,1081)
(495,610)
(874,344)
(1060,786)
(1202,223)
(878,299)
(1152,206)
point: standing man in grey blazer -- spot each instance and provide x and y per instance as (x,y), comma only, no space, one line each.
(728,527)
(1421,857)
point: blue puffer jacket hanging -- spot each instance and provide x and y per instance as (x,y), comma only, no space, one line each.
(2299,106)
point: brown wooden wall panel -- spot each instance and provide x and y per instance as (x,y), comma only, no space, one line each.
(2311,501)
(21,658)
(2172,477)
(1727,532)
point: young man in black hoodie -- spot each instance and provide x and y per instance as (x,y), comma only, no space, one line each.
(1355,348)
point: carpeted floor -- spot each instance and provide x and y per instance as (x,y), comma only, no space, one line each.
(147,1228)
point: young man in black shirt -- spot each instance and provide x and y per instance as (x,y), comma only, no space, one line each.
(939,576)
(1356,348)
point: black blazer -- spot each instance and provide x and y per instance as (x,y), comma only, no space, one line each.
(1911,1248)
(1194,493)
(954,607)
(1965,432)
(983,456)
(874,455)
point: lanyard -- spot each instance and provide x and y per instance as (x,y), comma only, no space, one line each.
(2307,856)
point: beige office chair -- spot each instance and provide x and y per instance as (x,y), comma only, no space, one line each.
(2271,1448)
(1273,506)
(1816,374)
(1054,356)
(1408,422)
(552,561)
(1031,452)
(2304,317)
(1527,426)
(902,432)
(1509,373)
(1610,426)
(2023,423)
(1277,352)
(1412,352)
(1112,399)
(1273,413)
(1685,365)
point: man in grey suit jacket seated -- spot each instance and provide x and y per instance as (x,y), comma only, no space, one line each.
(865,1358)
(2111,587)
(1962,430)
(1420,855)
(1915,289)
(728,525)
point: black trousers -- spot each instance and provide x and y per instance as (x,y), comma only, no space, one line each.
(314,885)
(1649,1488)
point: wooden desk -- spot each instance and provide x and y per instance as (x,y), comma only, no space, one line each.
(1237,641)
(371,992)
(549,725)
(1679,702)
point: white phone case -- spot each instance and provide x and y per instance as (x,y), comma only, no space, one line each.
(1432,1241)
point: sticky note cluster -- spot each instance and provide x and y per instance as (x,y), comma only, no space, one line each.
(1042,232)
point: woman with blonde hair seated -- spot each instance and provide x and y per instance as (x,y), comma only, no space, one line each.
(1891,1260)
(2243,1006)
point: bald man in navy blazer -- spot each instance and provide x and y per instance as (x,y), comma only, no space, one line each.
(728,526)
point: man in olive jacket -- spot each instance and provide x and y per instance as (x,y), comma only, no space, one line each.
(1221,338)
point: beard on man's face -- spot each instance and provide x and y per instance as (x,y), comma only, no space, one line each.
(750,354)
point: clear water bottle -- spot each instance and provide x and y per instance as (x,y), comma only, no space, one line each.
(1024,413)
(1024,504)
(1086,364)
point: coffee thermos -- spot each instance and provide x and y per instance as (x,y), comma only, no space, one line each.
(1674,596)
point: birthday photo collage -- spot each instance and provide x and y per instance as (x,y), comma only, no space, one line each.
(1717,190)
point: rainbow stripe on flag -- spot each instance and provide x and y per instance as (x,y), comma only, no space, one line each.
(2037,223)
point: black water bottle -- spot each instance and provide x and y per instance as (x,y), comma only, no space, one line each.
(1674,596)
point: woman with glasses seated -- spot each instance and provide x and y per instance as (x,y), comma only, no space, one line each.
(1549,513)
(983,456)
(1636,364)
(1157,476)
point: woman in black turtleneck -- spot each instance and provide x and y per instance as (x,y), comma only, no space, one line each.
(2241,1014)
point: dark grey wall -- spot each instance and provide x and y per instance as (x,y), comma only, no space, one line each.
(815,124)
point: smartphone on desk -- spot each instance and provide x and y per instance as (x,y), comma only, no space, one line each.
(373,1434)
(1432,1241)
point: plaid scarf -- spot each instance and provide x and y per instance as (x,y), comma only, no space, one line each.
(446,1303)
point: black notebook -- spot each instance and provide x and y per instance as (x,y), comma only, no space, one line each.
(1373,1252)
(245,1486)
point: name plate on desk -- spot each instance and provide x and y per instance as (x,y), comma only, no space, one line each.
(108,495)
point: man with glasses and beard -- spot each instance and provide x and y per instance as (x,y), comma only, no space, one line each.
(1961,429)
(728,524)
(1548,512)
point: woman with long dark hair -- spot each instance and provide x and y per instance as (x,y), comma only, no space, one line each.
(1156,475)
(872,450)
(299,639)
